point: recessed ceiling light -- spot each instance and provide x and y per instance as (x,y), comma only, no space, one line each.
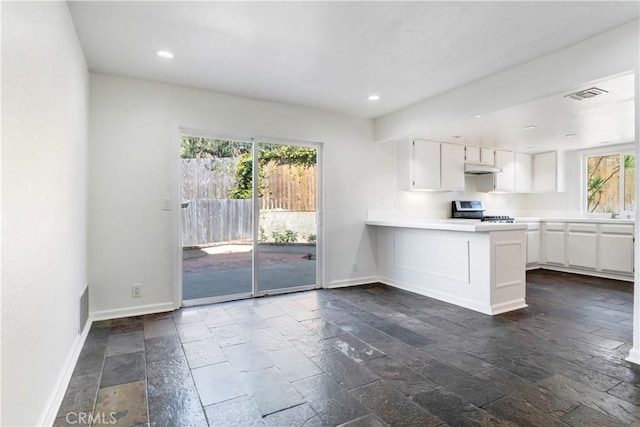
(571,135)
(529,127)
(373,97)
(531,148)
(478,116)
(427,129)
(605,142)
(164,54)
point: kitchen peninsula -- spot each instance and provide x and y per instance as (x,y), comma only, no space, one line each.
(476,265)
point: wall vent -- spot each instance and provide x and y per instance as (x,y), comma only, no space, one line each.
(84,309)
(586,93)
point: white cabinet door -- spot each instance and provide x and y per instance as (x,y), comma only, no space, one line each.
(487,155)
(505,180)
(545,172)
(451,167)
(582,245)
(582,250)
(554,243)
(472,154)
(523,163)
(533,246)
(426,165)
(616,253)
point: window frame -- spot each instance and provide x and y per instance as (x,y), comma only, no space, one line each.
(621,151)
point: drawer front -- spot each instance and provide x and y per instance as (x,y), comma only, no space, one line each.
(554,226)
(583,228)
(617,228)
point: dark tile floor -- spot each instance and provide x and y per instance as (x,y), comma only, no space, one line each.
(367,356)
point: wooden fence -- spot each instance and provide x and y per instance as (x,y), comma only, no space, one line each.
(208,178)
(214,217)
(290,188)
(216,220)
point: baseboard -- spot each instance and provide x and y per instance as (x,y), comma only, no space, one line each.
(139,310)
(461,302)
(48,416)
(508,306)
(352,282)
(634,356)
(592,273)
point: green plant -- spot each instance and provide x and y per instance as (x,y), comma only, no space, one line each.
(195,147)
(311,238)
(291,236)
(263,235)
(282,238)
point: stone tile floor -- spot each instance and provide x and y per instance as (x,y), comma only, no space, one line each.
(367,356)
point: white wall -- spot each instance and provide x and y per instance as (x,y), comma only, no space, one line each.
(132,160)
(44,186)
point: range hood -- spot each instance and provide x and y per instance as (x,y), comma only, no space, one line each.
(478,169)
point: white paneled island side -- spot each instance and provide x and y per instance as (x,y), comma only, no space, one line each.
(480,266)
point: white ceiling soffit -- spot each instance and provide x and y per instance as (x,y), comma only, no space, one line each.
(555,122)
(332,55)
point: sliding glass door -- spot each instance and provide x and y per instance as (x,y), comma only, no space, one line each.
(248,219)
(287,217)
(216,218)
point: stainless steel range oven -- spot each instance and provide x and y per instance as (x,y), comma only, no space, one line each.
(474,209)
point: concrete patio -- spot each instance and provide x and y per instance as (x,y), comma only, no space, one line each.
(226,270)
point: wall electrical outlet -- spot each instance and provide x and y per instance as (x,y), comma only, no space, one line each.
(354,268)
(136,290)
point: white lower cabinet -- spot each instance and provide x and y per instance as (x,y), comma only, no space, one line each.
(605,249)
(532,235)
(554,243)
(616,248)
(582,246)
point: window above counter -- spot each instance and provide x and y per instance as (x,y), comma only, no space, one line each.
(608,182)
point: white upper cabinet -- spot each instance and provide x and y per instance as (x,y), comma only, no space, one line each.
(426,165)
(516,175)
(502,181)
(523,169)
(430,165)
(451,167)
(472,154)
(505,180)
(545,172)
(478,155)
(487,155)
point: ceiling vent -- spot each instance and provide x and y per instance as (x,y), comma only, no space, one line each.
(586,93)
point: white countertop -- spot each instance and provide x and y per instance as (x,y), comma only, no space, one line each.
(467,225)
(577,219)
